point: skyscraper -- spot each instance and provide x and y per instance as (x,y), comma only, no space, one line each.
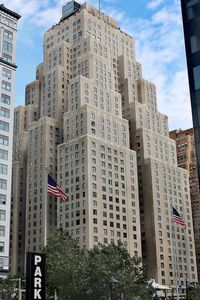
(82,142)
(8,21)
(93,111)
(191,25)
(186,156)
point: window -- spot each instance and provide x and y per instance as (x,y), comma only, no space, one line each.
(3,184)
(3,154)
(195,43)
(5,127)
(2,199)
(191,2)
(3,169)
(95,239)
(2,215)
(196,72)
(7,46)
(5,99)
(2,247)
(193,11)
(8,22)
(8,34)
(4,112)
(7,57)
(3,140)
(6,85)
(2,230)
(6,73)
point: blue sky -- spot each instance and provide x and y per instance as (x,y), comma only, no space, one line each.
(156,26)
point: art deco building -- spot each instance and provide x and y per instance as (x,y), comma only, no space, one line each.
(93,112)
(8,21)
(72,125)
(167,248)
(186,155)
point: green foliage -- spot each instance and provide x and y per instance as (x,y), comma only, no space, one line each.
(83,274)
(7,289)
(194,294)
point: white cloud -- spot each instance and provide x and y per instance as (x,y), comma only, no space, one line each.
(176,102)
(115,13)
(154,4)
(46,18)
(160,49)
(40,13)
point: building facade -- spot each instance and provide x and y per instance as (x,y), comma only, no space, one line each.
(191,25)
(8,21)
(93,113)
(186,156)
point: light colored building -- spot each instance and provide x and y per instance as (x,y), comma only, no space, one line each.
(90,87)
(22,117)
(8,21)
(186,156)
(167,248)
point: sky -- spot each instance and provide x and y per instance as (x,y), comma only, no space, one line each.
(156,26)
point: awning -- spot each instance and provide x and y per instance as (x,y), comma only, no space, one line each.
(158,286)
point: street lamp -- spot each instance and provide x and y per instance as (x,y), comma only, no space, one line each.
(111,280)
(20,290)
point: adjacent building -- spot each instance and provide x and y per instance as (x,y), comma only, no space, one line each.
(191,25)
(186,156)
(8,21)
(92,121)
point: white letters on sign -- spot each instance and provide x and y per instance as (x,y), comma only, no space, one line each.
(37,294)
(38,271)
(37,277)
(38,259)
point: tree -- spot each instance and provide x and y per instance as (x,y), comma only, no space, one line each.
(63,258)
(194,294)
(7,289)
(83,274)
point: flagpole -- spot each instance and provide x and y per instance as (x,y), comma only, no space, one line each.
(174,244)
(45,206)
(177,281)
(187,252)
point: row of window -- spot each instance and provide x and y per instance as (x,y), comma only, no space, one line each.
(2,215)
(2,247)
(8,46)
(6,85)
(2,199)
(6,73)
(7,57)
(3,185)
(5,99)
(4,112)
(4,126)
(3,169)
(9,22)
(4,140)
(8,34)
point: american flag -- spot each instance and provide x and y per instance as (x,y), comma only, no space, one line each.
(177,218)
(54,189)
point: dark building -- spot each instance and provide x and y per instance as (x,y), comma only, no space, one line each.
(191,25)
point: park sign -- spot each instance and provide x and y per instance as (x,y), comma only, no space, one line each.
(35,276)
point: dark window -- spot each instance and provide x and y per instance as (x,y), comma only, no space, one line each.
(196,72)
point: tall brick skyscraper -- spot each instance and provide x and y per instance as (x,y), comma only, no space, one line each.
(186,155)
(88,92)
